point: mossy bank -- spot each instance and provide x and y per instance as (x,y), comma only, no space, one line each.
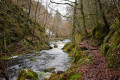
(80,56)
(19,34)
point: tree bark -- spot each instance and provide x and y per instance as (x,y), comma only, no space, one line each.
(103,16)
(83,19)
(35,18)
(30,3)
(74,21)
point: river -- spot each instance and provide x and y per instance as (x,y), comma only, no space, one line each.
(44,59)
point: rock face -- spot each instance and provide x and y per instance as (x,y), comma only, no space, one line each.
(27,74)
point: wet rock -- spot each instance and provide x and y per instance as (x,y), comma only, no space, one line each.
(41,74)
(55,46)
(47,76)
(50,47)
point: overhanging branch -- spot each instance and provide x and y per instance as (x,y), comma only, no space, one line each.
(62,3)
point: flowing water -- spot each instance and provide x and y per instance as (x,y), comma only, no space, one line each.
(45,59)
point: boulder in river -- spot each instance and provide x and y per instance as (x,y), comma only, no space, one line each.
(27,74)
(49,69)
(55,45)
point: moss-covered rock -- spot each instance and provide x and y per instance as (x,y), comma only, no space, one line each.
(41,74)
(32,59)
(69,46)
(27,74)
(49,69)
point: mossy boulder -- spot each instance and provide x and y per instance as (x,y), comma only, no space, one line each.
(41,74)
(27,74)
(69,46)
(49,69)
(55,45)
(32,59)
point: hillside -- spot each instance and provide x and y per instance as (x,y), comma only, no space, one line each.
(18,33)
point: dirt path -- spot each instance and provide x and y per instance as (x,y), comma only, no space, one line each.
(98,70)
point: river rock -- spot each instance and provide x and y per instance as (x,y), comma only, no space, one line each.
(55,46)
(60,72)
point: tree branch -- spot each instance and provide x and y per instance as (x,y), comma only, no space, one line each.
(62,3)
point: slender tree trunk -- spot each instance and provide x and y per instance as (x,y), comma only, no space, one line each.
(103,16)
(46,17)
(74,21)
(30,3)
(28,19)
(96,12)
(35,18)
(83,19)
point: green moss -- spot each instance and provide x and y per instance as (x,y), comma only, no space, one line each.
(5,58)
(67,75)
(78,38)
(27,74)
(17,29)
(110,48)
(66,45)
(77,76)
(99,32)
(69,47)
(113,52)
(41,74)
(32,59)
(80,56)
(104,49)
(37,54)
(49,69)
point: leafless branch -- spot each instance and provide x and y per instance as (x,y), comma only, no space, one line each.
(62,3)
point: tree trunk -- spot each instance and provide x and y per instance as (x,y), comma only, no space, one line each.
(35,18)
(96,12)
(74,21)
(103,16)
(30,3)
(83,19)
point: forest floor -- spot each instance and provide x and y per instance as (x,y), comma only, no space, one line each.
(99,69)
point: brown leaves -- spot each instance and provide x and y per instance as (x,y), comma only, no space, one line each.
(99,71)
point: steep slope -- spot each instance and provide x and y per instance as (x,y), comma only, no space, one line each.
(18,34)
